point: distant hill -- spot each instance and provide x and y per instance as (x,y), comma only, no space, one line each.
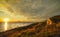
(48,28)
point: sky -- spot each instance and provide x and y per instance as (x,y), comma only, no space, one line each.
(29,10)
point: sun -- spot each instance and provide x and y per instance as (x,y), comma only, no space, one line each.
(6,23)
(6,19)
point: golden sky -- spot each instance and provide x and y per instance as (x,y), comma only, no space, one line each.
(29,10)
(6,13)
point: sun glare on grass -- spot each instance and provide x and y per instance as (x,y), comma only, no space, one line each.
(6,23)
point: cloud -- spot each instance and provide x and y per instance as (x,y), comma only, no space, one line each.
(34,9)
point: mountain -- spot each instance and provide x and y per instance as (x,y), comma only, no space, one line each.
(48,28)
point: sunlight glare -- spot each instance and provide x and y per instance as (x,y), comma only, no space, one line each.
(5,23)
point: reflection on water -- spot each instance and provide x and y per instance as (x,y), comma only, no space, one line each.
(12,25)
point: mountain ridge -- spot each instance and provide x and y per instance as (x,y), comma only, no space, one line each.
(48,28)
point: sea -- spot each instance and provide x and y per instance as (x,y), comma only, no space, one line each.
(11,25)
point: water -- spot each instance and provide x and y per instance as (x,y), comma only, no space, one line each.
(12,25)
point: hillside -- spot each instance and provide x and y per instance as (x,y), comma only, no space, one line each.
(48,28)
